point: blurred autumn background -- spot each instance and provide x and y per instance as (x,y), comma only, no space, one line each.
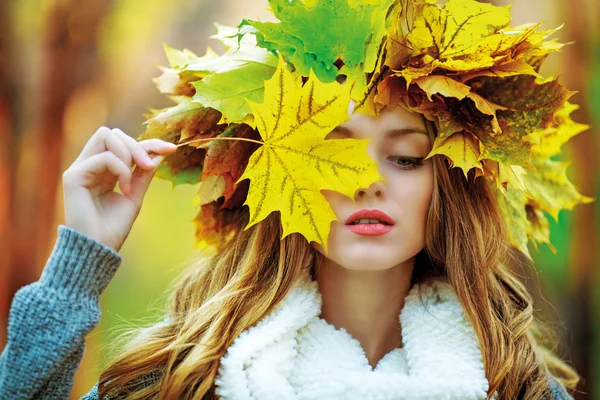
(70,66)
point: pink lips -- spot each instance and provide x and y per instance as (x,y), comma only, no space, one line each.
(370,229)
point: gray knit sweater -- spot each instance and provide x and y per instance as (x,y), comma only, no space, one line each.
(50,318)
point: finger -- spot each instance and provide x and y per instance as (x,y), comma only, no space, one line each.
(95,144)
(139,154)
(140,181)
(116,146)
(104,137)
(92,169)
(157,146)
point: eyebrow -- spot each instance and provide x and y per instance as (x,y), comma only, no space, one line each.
(390,134)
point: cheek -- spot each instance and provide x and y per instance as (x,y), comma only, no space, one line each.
(412,191)
(336,200)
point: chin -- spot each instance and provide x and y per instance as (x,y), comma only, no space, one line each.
(365,256)
(367,265)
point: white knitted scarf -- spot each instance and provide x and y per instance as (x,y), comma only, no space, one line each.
(292,353)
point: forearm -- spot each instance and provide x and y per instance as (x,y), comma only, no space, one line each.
(49,319)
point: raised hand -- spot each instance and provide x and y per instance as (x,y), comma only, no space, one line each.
(92,206)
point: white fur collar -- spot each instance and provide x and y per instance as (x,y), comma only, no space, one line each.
(293,354)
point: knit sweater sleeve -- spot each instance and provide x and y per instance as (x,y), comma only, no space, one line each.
(49,319)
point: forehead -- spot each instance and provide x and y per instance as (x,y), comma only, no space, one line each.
(390,124)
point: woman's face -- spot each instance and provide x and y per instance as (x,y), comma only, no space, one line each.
(398,142)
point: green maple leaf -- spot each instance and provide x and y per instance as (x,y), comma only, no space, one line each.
(237,75)
(176,80)
(227,91)
(288,172)
(314,34)
(221,82)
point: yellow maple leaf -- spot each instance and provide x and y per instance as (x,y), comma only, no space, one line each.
(512,175)
(505,175)
(517,67)
(457,29)
(530,194)
(444,85)
(462,148)
(463,36)
(538,228)
(551,189)
(295,162)
(512,203)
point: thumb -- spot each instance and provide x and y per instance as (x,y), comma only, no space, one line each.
(140,180)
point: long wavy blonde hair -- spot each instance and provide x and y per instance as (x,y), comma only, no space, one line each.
(221,296)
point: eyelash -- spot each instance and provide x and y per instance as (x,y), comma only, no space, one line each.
(415,162)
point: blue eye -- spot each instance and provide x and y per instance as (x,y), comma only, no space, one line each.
(407,163)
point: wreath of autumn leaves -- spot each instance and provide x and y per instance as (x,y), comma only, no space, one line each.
(251,122)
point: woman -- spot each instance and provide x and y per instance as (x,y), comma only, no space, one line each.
(364,284)
(414,298)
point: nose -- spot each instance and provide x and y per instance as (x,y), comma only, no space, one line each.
(376,189)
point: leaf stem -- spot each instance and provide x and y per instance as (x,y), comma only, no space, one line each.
(220,138)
